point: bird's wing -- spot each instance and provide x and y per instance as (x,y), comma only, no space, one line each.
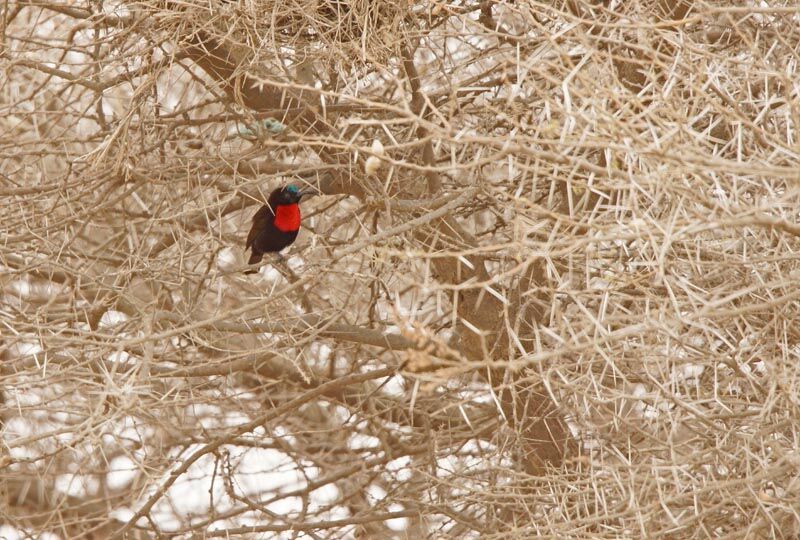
(260,219)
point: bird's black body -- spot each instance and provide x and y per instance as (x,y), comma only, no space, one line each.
(275,225)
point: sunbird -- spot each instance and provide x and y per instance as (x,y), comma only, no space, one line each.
(276,224)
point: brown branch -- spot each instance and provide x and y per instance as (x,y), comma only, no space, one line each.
(251,91)
(527,407)
(310,526)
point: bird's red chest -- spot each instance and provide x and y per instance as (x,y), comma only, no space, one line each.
(287,217)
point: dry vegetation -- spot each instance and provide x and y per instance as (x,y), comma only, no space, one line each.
(565,305)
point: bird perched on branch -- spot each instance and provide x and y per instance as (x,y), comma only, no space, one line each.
(276,224)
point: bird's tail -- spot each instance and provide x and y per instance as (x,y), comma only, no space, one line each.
(254,258)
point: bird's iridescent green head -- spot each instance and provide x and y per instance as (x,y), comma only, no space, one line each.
(289,195)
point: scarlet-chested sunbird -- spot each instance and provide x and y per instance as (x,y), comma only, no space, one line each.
(276,224)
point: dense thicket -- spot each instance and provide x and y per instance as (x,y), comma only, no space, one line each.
(549,288)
